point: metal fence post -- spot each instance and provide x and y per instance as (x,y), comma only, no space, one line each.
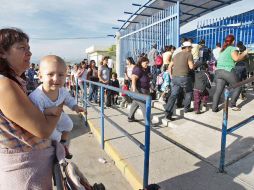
(224,132)
(85,100)
(76,91)
(102,116)
(147,141)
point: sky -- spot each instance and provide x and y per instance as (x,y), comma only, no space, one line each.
(50,23)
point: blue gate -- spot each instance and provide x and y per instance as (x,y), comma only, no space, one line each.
(161,28)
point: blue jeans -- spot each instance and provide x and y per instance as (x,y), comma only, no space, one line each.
(93,93)
(224,78)
(179,83)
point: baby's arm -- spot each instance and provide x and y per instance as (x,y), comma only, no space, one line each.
(78,109)
(71,103)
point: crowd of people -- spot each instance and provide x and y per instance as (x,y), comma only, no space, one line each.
(186,73)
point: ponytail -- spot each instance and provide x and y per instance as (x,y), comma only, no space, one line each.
(228,41)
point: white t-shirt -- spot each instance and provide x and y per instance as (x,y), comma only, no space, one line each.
(42,101)
(110,64)
(74,73)
(216,53)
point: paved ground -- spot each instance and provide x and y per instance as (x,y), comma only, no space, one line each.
(87,151)
(171,165)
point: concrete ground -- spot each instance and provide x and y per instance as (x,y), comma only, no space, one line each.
(87,151)
(184,153)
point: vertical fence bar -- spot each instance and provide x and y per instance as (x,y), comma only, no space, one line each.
(224,132)
(147,141)
(76,90)
(85,100)
(102,116)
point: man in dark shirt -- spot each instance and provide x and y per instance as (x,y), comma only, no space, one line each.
(179,70)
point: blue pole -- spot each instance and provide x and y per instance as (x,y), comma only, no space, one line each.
(224,132)
(76,90)
(178,24)
(102,116)
(85,100)
(147,141)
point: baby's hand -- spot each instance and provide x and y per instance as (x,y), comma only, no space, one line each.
(79,109)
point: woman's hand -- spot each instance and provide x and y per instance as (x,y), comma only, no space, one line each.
(53,111)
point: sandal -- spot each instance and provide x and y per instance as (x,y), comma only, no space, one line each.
(236,108)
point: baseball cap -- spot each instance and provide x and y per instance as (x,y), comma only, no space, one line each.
(187,44)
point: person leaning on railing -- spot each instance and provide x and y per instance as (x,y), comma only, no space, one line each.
(26,154)
(225,72)
(140,83)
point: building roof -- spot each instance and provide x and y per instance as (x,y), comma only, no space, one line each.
(189,9)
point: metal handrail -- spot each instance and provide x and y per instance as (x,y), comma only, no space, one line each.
(225,130)
(146,98)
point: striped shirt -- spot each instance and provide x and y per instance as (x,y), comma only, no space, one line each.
(12,136)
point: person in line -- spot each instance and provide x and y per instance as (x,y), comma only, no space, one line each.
(92,75)
(110,66)
(216,52)
(126,98)
(141,84)
(113,95)
(179,70)
(241,68)
(52,73)
(68,78)
(130,64)
(31,84)
(165,87)
(167,55)
(26,153)
(152,54)
(225,73)
(74,79)
(202,82)
(103,74)
(195,51)
(82,76)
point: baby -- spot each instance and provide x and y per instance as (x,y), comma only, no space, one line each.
(52,74)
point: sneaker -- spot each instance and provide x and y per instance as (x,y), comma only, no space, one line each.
(169,117)
(236,108)
(131,119)
(215,110)
(188,110)
(68,155)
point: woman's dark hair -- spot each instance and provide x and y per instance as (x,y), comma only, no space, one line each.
(8,37)
(131,60)
(103,59)
(140,60)
(228,41)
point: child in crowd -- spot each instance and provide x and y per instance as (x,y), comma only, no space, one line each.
(202,82)
(113,95)
(126,98)
(165,87)
(52,73)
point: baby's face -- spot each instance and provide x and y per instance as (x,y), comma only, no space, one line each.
(52,75)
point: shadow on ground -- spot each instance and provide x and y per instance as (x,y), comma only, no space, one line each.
(205,177)
(79,126)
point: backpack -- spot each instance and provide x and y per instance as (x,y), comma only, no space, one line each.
(159,79)
(158,60)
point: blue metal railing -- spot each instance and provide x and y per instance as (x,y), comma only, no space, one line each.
(147,99)
(225,130)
